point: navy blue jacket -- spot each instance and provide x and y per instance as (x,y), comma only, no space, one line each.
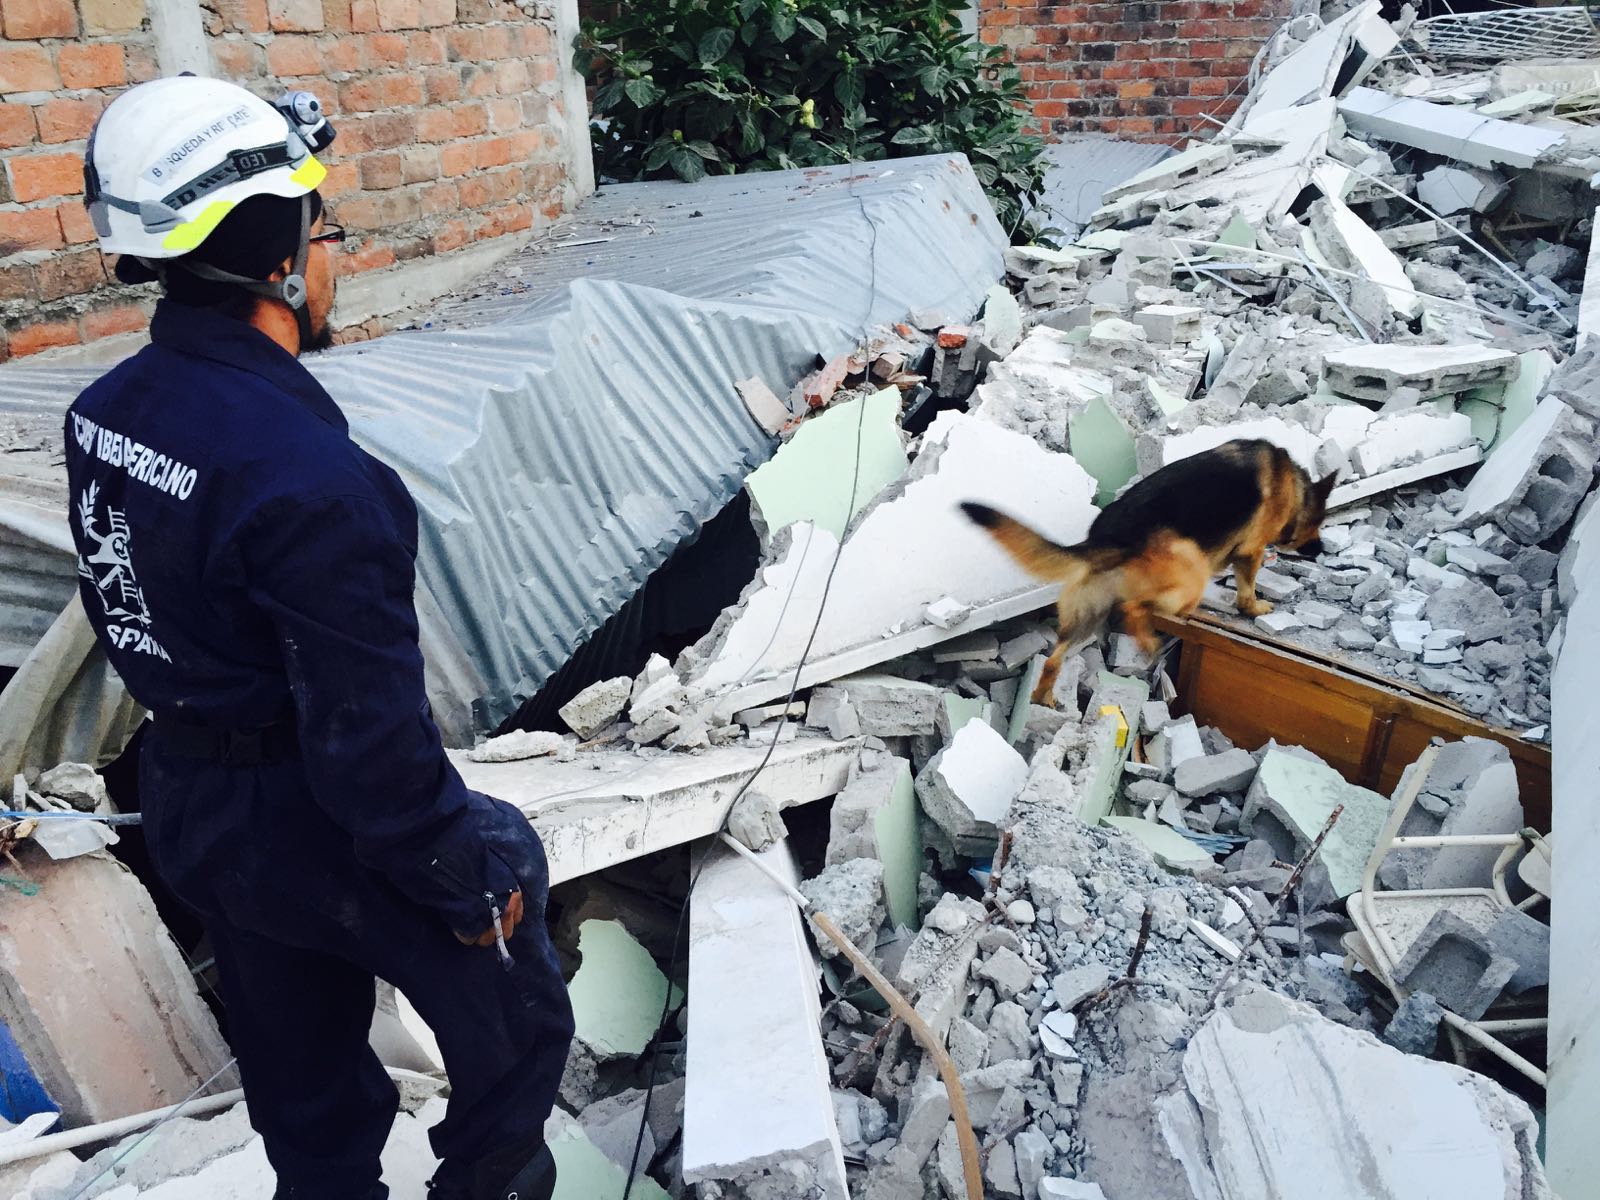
(244,562)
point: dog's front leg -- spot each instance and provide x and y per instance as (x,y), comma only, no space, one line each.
(1244,578)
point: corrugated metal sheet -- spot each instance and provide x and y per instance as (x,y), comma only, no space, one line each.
(571,419)
(1081,168)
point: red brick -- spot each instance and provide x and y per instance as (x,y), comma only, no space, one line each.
(111,16)
(239,16)
(17,282)
(361,95)
(381,171)
(108,322)
(511,78)
(452,236)
(36,176)
(469,120)
(443,84)
(543,70)
(236,59)
(295,16)
(76,227)
(31,229)
(458,158)
(401,91)
(26,19)
(435,13)
(92,66)
(419,164)
(425,48)
(67,120)
(399,14)
(343,178)
(289,56)
(387,50)
(71,274)
(27,69)
(380,131)
(16,125)
(370,257)
(479,81)
(363,15)
(533,41)
(505,114)
(343,55)
(464,45)
(45,335)
(336,16)
(439,198)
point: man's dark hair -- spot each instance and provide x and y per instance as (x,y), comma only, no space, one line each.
(253,240)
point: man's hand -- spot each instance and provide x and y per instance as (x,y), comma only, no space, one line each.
(509,920)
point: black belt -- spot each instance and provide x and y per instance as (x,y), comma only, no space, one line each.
(231,747)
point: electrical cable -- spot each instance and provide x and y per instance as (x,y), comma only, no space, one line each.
(772,745)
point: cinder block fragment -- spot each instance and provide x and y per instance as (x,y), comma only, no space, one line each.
(1455,961)
(1230,771)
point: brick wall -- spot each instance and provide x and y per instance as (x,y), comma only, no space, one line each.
(456,119)
(1145,69)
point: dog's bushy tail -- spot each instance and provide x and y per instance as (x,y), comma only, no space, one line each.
(1089,576)
(1070,566)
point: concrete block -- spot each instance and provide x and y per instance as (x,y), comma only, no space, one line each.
(1454,961)
(1210,774)
(947,612)
(1276,588)
(1375,372)
(1414,1028)
(758,1099)
(98,997)
(968,786)
(1526,941)
(1318,614)
(830,709)
(810,478)
(597,706)
(1279,622)
(1169,323)
(1290,801)
(1533,482)
(889,706)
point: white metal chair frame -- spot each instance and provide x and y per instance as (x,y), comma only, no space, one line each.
(1385,955)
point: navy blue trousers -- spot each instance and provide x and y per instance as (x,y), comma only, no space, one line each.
(300,931)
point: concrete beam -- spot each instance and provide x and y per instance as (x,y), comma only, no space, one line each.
(611,806)
(1450,131)
(758,1100)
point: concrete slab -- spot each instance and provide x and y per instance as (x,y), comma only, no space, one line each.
(1290,801)
(967,787)
(854,444)
(913,548)
(1167,846)
(1449,131)
(1279,1101)
(758,1094)
(611,806)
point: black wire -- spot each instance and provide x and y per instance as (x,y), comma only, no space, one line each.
(772,746)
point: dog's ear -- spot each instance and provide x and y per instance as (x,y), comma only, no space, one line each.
(1323,488)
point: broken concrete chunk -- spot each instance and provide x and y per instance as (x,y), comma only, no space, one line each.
(78,784)
(1168,847)
(967,787)
(597,706)
(523,744)
(877,817)
(1455,961)
(1526,941)
(889,706)
(617,993)
(947,612)
(1207,775)
(1534,480)
(851,893)
(755,820)
(1290,801)
(771,413)
(1169,323)
(1414,1028)
(830,709)
(1006,970)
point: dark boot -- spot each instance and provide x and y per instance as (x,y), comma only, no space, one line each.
(526,1171)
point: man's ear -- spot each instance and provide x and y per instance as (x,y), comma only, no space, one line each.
(1323,488)
(282,271)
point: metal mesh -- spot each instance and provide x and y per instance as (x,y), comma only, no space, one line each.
(1511,33)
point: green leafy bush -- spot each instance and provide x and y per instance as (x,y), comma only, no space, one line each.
(686,87)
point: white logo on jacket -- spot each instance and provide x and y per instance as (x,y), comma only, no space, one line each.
(109,566)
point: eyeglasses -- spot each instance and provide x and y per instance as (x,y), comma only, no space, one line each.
(331,234)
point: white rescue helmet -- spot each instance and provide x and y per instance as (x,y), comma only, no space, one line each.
(169,159)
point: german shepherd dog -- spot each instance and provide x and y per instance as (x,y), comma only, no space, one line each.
(1153,549)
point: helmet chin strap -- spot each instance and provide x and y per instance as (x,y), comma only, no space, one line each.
(291,289)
